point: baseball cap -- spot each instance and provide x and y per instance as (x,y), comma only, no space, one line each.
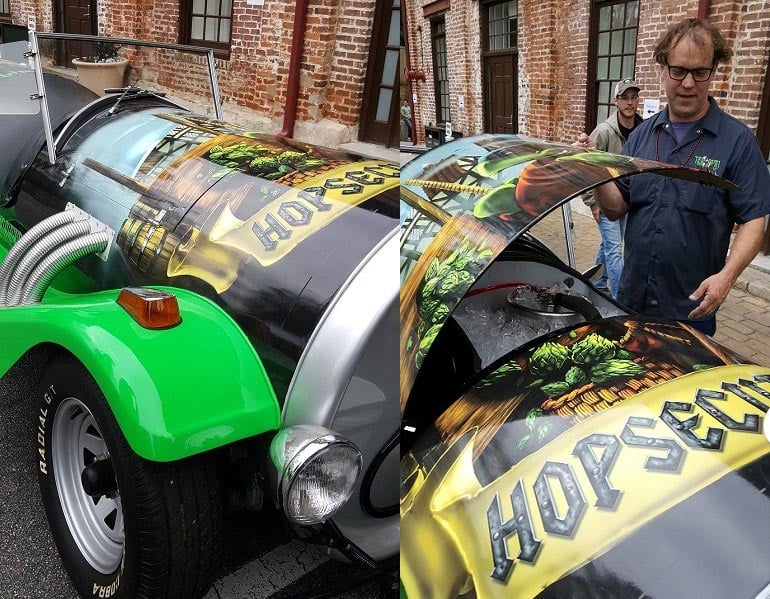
(624,85)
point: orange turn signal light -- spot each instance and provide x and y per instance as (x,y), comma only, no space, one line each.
(151,308)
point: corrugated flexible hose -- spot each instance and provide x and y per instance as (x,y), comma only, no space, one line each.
(20,248)
(38,252)
(57,261)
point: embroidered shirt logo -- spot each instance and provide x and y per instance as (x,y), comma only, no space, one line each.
(710,165)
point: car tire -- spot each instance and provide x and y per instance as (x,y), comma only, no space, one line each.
(158,534)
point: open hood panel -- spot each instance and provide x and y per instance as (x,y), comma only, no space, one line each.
(463,203)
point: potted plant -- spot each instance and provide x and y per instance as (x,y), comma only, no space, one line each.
(102,69)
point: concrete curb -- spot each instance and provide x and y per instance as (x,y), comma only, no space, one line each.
(755,282)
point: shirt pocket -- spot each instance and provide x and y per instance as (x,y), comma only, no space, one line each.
(643,190)
(696,198)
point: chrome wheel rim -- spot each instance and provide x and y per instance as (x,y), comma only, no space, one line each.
(95,523)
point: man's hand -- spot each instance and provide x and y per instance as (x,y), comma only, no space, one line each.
(584,141)
(711,293)
(596,213)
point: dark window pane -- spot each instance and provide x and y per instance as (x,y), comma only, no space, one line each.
(197,28)
(615,67)
(502,25)
(210,22)
(603,68)
(629,45)
(617,42)
(628,67)
(604,44)
(390,67)
(616,33)
(212,28)
(617,16)
(604,92)
(383,104)
(632,14)
(224,31)
(440,78)
(604,18)
(394,35)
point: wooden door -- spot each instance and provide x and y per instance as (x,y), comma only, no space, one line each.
(501,82)
(75,16)
(379,113)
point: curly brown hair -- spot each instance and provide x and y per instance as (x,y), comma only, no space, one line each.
(699,31)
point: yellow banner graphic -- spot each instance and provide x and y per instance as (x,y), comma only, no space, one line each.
(215,251)
(581,494)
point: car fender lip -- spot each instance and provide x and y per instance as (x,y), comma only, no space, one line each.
(165,413)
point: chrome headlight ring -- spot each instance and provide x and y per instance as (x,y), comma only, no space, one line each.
(316,472)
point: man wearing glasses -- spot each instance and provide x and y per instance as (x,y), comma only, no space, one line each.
(678,232)
(611,136)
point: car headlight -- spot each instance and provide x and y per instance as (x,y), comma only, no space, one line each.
(317,470)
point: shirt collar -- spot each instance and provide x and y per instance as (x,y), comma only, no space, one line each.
(710,122)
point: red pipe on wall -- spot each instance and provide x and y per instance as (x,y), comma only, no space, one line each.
(704,9)
(295,62)
(407,67)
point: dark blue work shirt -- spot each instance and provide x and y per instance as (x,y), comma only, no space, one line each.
(678,232)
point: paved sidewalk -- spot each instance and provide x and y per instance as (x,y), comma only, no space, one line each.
(743,321)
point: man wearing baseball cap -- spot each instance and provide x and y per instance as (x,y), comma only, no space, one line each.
(610,136)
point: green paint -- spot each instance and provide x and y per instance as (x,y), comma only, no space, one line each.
(174,393)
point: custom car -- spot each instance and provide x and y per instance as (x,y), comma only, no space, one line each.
(553,443)
(204,311)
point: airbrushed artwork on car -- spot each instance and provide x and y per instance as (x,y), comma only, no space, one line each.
(554,444)
(576,375)
(560,489)
(275,194)
(486,192)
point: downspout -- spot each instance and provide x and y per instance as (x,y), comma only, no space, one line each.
(704,9)
(295,63)
(405,70)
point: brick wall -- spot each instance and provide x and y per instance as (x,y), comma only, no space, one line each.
(349,55)
(412,37)
(426,89)
(540,63)
(750,23)
(42,11)
(253,80)
(553,60)
(462,25)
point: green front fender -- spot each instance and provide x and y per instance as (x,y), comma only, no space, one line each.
(175,392)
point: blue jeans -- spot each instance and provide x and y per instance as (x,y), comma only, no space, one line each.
(708,325)
(610,252)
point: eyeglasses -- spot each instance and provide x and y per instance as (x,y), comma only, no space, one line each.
(680,73)
(632,98)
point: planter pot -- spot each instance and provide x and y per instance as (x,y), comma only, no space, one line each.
(97,76)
